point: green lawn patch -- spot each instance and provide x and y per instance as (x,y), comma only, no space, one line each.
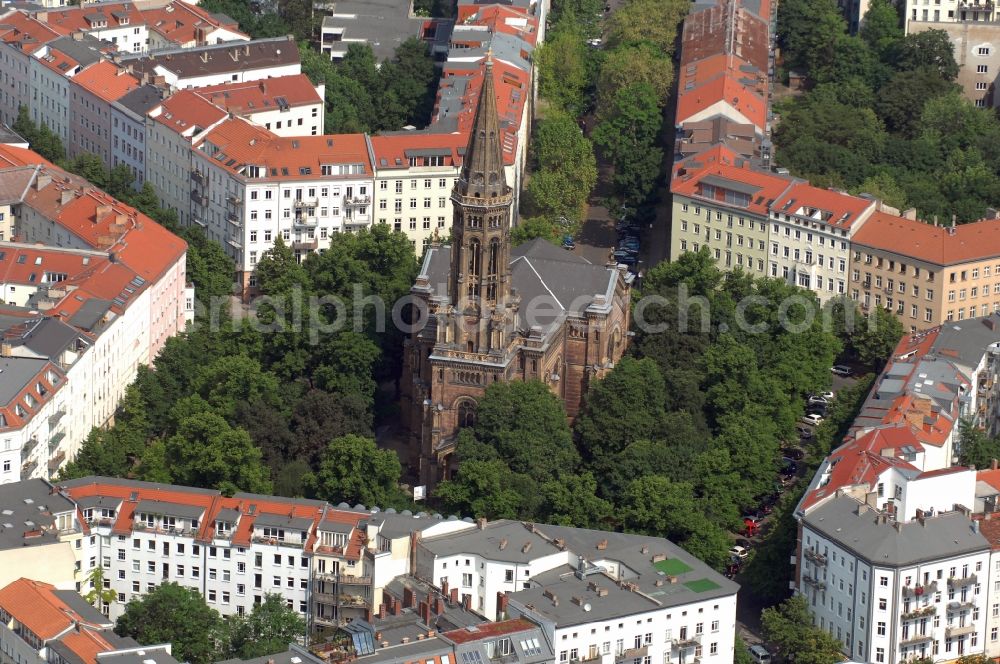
(672,566)
(702,585)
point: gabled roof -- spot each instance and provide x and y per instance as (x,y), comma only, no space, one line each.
(236,144)
(106,80)
(938,245)
(269,94)
(187,113)
(393,151)
(729,89)
(725,173)
(833,208)
(39,607)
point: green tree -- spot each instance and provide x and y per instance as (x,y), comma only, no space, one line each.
(881,28)
(790,628)
(207,452)
(91,168)
(483,489)
(409,81)
(353,469)
(627,137)
(267,629)
(875,337)
(975,448)
(562,68)
(931,49)
(99,595)
(905,91)
(631,65)
(652,22)
(566,168)
(177,615)
(526,424)
(883,186)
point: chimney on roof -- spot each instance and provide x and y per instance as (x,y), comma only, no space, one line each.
(438,605)
(481,522)
(935,220)
(501,605)
(526,548)
(444,586)
(397,607)
(42,181)
(467,601)
(602,545)
(453,596)
(407,598)
(994,464)
(425,612)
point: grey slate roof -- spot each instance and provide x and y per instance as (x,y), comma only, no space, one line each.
(88,502)
(16,373)
(283,521)
(90,314)
(169,509)
(293,655)
(50,337)
(384,24)
(141,99)
(187,62)
(941,536)
(12,500)
(550,281)
(14,182)
(137,655)
(86,50)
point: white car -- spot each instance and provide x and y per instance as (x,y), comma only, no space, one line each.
(813,420)
(739,552)
(829,396)
(841,370)
(818,399)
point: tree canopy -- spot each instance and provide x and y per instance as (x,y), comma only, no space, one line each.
(177,615)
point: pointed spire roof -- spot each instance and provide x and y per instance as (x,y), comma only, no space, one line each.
(482,173)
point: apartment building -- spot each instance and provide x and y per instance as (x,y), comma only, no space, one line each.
(810,235)
(720,202)
(285,105)
(251,186)
(196,67)
(579,585)
(172,128)
(95,291)
(415,173)
(20,37)
(128,129)
(139,27)
(53,67)
(43,552)
(897,546)
(927,274)
(41,624)
(92,93)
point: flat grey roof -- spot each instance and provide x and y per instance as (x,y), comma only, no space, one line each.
(843,520)
(89,502)
(486,543)
(163,508)
(281,521)
(575,603)
(17,373)
(293,655)
(141,100)
(383,24)
(29,501)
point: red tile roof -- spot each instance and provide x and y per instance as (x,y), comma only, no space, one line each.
(178,22)
(507,20)
(187,112)
(241,143)
(26,33)
(35,605)
(106,80)
(719,164)
(256,96)
(391,151)
(728,89)
(937,245)
(834,208)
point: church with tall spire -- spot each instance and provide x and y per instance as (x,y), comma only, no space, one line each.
(489,312)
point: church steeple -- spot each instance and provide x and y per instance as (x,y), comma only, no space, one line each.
(482,173)
(480,285)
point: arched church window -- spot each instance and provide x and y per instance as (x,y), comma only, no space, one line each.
(466,414)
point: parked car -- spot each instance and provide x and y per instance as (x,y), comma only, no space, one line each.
(818,399)
(745,543)
(816,409)
(841,370)
(793,453)
(812,419)
(805,433)
(738,552)
(568,242)
(829,396)
(760,654)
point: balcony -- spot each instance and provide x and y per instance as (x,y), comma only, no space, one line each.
(235,201)
(357,201)
(633,653)
(28,468)
(958,607)
(922,612)
(55,440)
(686,642)
(817,583)
(815,557)
(916,639)
(353,580)
(56,416)
(56,460)
(958,630)
(103,522)
(198,177)
(234,243)
(306,245)
(304,220)
(300,204)
(233,219)
(961,582)
(28,448)
(918,591)
(199,198)
(276,542)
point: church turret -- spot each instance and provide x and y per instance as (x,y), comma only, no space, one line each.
(482,200)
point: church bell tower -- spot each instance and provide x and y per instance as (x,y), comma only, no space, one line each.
(480,283)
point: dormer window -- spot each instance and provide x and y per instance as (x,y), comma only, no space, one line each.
(223,527)
(274,533)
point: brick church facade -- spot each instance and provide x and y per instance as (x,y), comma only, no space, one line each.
(534,312)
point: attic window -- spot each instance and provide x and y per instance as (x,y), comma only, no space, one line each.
(284,170)
(305,170)
(21,259)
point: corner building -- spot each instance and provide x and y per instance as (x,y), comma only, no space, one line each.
(501,314)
